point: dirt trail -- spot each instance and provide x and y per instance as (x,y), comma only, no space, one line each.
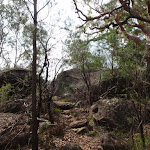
(85,141)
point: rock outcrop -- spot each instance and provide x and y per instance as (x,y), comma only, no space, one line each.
(63,105)
(111,142)
(13,76)
(19,79)
(72,146)
(17,106)
(71,82)
(117,113)
(79,124)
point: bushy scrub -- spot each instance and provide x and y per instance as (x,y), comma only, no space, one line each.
(5,93)
(137,144)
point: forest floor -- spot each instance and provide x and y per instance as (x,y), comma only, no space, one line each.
(56,136)
(86,141)
(58,140)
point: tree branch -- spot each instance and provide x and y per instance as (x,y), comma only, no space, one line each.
(43,6)
(28,9)
(148,7)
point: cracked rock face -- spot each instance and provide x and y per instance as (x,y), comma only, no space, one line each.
(114,113)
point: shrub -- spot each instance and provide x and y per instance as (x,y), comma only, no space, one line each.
(5,91)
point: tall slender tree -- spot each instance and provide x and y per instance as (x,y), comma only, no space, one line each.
(34,111)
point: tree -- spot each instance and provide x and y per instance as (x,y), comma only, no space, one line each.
(13,20)
(80,56)
(120,14)
(42,38)
(34,110)
(131,17)
(34,68)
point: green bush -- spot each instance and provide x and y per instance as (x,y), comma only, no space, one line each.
(5,93)
(137,145)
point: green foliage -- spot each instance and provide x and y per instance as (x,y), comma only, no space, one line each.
(5,93)
(90,118)
(42,36)
(130,120)
(45,125)
(64,100)
(19,147)
(70,89)
(57,110)
(74,113)
(80,53)
(137,145)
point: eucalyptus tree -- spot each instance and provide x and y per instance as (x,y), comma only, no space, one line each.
(13,19)
(3,28)
(130,18)
(127,16)
(17,18)
(81,56)
(34,10)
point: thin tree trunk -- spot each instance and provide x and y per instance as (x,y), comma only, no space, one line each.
(34,111)
(49,103)
(148,50)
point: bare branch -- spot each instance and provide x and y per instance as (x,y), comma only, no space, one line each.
(28,9)
(43,6)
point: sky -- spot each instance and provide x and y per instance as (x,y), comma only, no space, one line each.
(63,12)
(65,9)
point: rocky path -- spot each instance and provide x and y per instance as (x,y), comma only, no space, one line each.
(85,141)
(73,125)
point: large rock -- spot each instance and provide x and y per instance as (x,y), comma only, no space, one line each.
(17,106)
(65,82)
(63,105)
(19,79)
(111,142)
(81,130)
(13,76)
(14,130)
(71,82)
(116,114)
(79,124)
(72,146)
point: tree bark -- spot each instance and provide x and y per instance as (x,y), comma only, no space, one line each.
(49,103)
(147,35)
(34,111)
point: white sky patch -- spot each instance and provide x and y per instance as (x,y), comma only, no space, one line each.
(66,10)
(56,15)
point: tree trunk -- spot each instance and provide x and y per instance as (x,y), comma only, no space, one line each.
(49,103)
(147,34)
(34,111)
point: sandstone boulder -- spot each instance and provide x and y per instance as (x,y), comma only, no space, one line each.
(19,79)
(111,142)
(72,146)
(17,106)
(116,114)
(81,130)
(70,83)
(63,105)
(79,124)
